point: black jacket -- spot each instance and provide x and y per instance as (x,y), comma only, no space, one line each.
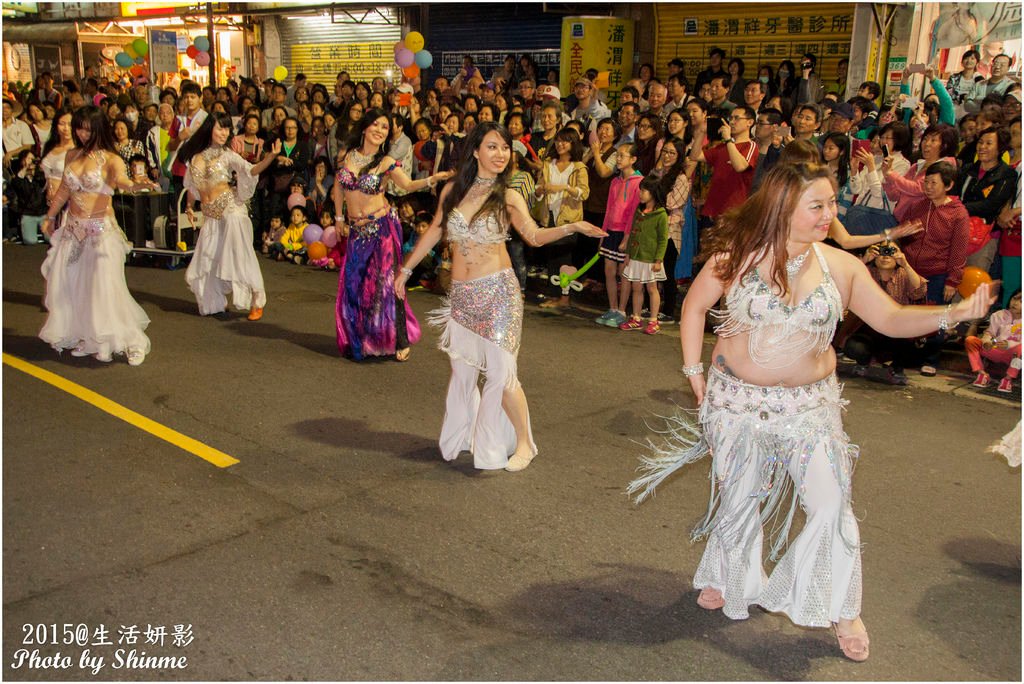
(986,197)
(28,194)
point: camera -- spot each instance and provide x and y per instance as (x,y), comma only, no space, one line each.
(806,65)
(887,250)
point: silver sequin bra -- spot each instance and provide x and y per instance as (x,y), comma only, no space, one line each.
(485,230)
(780,334)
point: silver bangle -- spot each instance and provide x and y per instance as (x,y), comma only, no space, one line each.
(695,369)
(407,272)
(944,318)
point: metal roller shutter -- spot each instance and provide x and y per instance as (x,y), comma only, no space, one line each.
(315,29)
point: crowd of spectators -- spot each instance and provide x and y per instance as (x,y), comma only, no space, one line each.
(945,167)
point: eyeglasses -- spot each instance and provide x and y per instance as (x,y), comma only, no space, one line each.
(644,125)
(764,123)
(739,118)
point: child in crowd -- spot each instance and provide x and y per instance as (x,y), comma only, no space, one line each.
(645,253)
(273,233)
(424,271)
(1000,343)
(290,245)
(623,199)
(138,171)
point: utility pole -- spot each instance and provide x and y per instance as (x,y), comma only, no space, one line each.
(213,46)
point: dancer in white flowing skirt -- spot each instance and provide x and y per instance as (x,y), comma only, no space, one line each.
(770,409)
(483,319)
(90,309)
(224,261)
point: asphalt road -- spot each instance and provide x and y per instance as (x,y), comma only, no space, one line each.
(341,546)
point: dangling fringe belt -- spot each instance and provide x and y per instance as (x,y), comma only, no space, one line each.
(740,424)
(480,312)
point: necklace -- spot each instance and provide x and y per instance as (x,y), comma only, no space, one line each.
(794,265)
(484,181)
(212,152)
(359,158)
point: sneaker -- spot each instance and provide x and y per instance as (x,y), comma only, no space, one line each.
(928,371)
(653,328)
(136,357)
(631,324)
(605,317)
(617,318)
(982,380)
(895,377)
(665,318)
(1005,385)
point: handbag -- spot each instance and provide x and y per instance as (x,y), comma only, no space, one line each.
(865,220)
(979,235)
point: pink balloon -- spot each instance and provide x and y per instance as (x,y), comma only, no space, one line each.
(330,237)
(400,45)
(404,57)
(296,200)
(203,59)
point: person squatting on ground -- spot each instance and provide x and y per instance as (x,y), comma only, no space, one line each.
(483,317)
(90,309)
(770,409)
(224,261)
(999,343)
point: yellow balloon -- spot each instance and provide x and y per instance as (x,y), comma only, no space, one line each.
(280,73)
(130,49)
(415,41)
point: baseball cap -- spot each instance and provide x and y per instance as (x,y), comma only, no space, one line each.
(584,80)
(549,91)
(844,110)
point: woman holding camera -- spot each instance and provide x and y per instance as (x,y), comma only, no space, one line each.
(770,408)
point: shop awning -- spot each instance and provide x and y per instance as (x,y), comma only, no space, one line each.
(64,32)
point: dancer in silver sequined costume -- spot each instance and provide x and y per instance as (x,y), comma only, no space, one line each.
(482,320)
(770,410)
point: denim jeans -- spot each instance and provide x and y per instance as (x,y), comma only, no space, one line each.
(30,229)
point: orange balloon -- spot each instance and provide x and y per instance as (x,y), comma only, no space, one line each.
(411,71)
(973,277)
(317,250)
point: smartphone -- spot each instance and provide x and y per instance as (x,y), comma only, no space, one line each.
(885,151)
(910,103)
(916,68)
(859,145)
(785,131)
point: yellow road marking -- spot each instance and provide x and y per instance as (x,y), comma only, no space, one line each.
(207,453)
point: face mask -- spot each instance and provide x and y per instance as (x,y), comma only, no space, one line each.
(762,79)
(132,116)
(783,73)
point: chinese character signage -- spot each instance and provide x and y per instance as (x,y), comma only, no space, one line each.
(321,62)
(601,43)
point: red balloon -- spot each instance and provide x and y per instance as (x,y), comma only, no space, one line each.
(192,51)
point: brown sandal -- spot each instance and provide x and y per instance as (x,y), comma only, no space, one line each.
(402,355)
(853,646)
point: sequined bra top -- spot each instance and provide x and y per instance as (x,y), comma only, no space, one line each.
(90,181)
(368,183)
(778,333)
(210,168)
(485,229)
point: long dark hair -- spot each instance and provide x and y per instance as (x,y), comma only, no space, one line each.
(841,141)
(54,138)
(102,137)
(760,226)
(671,174)
(355,139)
(467,170)
(201,139)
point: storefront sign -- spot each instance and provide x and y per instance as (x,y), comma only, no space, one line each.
(163,51)
(321,62)
(602,43)
(961,24)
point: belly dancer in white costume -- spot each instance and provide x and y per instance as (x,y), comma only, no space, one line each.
(770,409)
(483,319)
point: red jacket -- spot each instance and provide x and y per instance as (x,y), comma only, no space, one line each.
(942,247)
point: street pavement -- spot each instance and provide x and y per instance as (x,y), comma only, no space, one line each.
(341,546)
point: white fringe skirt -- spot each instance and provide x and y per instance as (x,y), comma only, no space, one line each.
(225,263)
(772,447)
(481,324)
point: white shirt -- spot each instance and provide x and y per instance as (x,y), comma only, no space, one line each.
(16,135)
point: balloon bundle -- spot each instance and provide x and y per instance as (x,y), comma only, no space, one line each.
(199,51)
(133,57)
(410,55)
